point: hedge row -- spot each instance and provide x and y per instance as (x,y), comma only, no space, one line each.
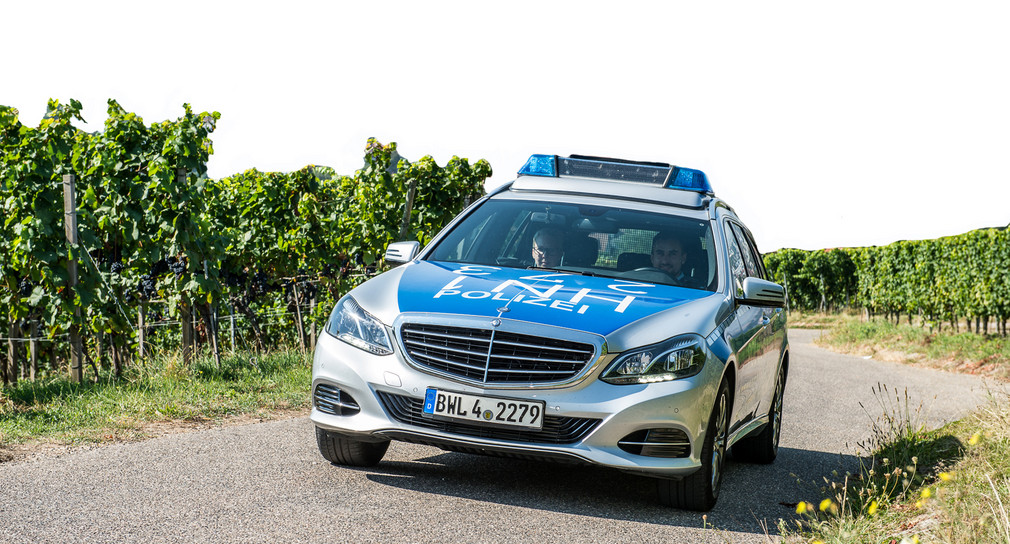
(943,281)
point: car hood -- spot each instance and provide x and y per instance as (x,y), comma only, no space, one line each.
(592,304)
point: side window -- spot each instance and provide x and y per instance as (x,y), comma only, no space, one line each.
(736,263)
(755,265)
(747,251)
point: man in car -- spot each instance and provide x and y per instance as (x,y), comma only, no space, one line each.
(548,247)
(668,255)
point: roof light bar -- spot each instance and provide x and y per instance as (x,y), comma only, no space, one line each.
(652,173)
(614,170)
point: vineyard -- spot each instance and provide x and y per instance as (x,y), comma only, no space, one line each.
(940,282)
(163,257)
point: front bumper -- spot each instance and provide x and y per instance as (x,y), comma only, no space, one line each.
(584,421)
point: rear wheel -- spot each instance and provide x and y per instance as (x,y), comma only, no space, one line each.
(764,447)
(342,450)
(700,490)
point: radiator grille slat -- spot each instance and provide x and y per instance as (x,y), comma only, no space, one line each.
(556,430)
(507,357)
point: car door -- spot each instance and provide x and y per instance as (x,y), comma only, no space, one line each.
(745,333)
(764,350)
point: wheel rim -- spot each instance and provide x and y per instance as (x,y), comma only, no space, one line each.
(719,443)
(777,411)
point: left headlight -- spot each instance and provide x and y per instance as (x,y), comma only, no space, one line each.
(679,357)
(353,325)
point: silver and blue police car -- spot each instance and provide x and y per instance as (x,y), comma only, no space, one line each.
(593,310)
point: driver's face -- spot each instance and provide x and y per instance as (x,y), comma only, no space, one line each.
(668,256)
(548,253)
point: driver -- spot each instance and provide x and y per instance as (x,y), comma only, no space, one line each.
(668,255)
(548,247)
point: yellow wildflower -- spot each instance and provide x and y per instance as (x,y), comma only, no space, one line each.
(975,439)
(801,508)
(926,493)
(946,476)
(873,508)
(825,504)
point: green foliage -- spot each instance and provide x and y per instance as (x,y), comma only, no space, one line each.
(940,281)
(816,279)
(153,228)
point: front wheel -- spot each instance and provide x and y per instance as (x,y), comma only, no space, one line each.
(700,490)
(342,450)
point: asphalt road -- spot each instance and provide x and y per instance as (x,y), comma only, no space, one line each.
(267,482)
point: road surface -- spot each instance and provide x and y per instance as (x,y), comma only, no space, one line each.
(267,482)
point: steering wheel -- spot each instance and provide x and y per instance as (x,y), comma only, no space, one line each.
(650,269)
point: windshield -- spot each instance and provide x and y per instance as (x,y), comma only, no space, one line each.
(583,239)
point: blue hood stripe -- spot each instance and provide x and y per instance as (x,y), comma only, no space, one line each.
(593,304)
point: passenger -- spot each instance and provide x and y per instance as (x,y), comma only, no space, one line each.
(548,247)
(669,256)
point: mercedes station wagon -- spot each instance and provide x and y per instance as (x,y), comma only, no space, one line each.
(594,310)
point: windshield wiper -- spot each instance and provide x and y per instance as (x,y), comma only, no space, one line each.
(562,270)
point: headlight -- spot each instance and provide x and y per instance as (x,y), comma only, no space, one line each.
(679,357)
(358,328)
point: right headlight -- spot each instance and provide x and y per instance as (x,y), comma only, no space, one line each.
(679,357)
(350,323)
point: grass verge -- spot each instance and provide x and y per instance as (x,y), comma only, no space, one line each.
(980,354)
(162,392)
(948,485)
(915,484)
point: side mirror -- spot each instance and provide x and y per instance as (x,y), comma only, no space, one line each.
(402,252)
(760,292)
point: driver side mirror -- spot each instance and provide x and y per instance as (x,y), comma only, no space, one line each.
(402,252)
(759,292)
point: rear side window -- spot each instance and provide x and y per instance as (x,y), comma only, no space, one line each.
(751,257)
(735,255)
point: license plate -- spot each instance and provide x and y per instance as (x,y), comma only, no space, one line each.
(486,410)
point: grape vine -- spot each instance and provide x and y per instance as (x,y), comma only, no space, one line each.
(155,231)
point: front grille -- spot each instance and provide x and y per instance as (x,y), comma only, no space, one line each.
(331,400)
(488,356)
(556,430)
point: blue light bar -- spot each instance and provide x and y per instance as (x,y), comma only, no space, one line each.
(613,170)
(540,165)
(689,180)
(652,173)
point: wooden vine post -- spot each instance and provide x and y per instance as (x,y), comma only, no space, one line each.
(185,307)
(210,319)
(33,350)
(141,331)
(405,224)
(70,224)
(14,367)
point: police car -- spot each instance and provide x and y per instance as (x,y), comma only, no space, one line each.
(593,310)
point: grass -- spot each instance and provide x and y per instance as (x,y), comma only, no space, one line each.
(948,485)
(915,484)
(987,355)
(162,391)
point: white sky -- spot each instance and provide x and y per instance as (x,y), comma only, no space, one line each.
(824,124)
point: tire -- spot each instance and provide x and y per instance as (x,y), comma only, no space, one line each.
(700,490)
(763,447)
(341,450)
